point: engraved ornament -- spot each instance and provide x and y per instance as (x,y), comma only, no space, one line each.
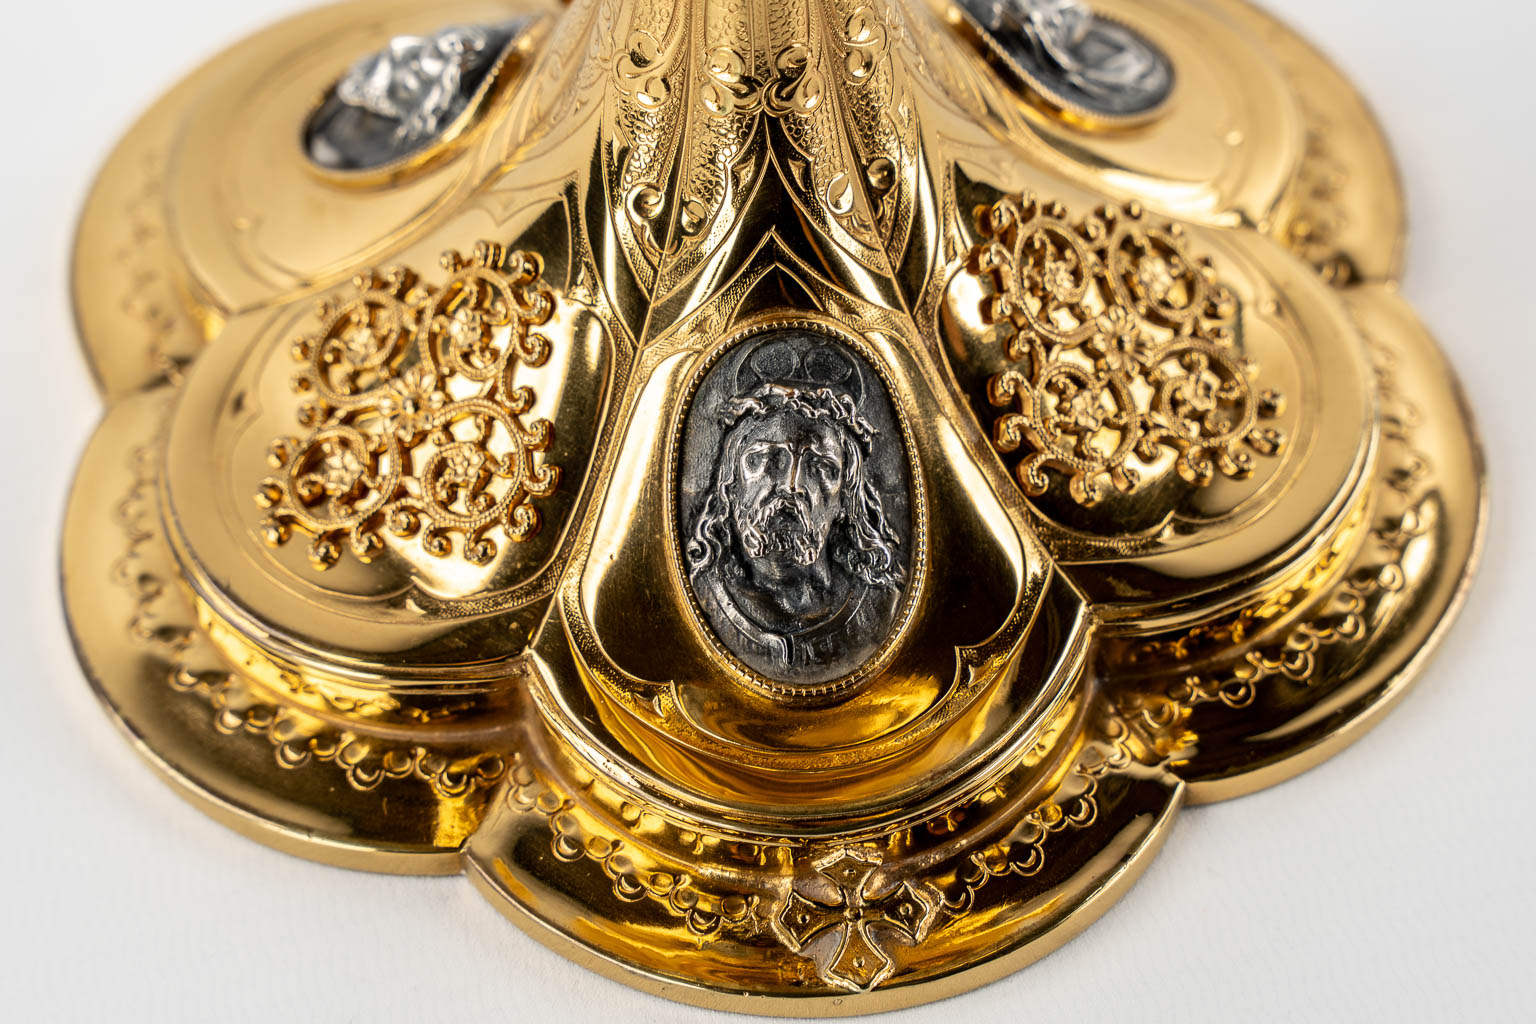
(790,499)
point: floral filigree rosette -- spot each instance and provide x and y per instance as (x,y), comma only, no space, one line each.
(417,425)
(1123,350)
(545,708)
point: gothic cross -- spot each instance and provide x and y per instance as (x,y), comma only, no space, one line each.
(842,919)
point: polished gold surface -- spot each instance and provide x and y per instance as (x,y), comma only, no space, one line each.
(436,522)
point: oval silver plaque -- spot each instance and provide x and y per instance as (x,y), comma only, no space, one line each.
(794,508)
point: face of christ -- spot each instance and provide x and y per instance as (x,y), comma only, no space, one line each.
(794,563)
(788,491)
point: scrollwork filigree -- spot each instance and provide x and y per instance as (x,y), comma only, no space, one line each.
(417,424)
(1124,351)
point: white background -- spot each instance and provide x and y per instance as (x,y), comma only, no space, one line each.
(1395,882)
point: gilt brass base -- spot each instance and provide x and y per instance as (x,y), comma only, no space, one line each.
(847,486)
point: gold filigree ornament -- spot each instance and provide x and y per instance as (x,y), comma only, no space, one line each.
(416,422)
(876,463)
(1129,352)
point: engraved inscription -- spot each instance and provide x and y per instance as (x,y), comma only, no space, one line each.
(795,509)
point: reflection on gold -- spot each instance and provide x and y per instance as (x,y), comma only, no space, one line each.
(1164,488)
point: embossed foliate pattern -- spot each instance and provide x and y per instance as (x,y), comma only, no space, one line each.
(798,104)
(701,173)
(417,423)
(298,737)
(1122,349)
(1348,616)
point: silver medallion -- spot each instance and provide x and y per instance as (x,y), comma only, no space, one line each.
(795,508)
(1077,56)
(397,101)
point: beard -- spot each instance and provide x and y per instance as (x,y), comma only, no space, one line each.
(780,526)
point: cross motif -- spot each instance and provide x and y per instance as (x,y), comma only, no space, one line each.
(836,917)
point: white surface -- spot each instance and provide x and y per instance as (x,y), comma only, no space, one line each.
(1394,882)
